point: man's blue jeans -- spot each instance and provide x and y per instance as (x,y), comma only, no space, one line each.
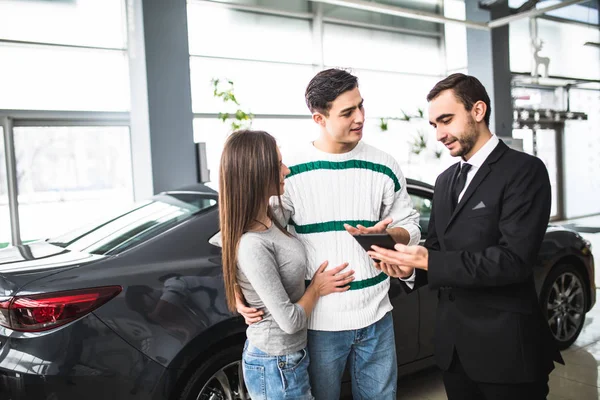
(371,352)
(276,377)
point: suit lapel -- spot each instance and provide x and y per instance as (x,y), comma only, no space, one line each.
(481,174)
(479,177)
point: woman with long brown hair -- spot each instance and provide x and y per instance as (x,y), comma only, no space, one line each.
(268,265)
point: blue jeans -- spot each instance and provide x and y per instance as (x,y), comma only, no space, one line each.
(276,377)
(372,355)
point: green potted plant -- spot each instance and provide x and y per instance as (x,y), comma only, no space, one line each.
(238,119)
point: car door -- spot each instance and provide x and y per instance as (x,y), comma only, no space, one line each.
(406,321)
(414,312)
(426,298)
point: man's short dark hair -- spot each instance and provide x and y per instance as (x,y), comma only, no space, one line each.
(467,89)
(325,87)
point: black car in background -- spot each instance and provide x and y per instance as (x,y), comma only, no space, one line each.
(134,307)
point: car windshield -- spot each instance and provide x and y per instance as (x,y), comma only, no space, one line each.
(142,222)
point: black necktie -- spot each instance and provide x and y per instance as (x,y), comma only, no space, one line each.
(459,183)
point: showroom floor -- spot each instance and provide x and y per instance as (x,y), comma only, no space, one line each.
(578,379)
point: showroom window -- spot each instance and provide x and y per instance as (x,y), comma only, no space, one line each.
(396,60)
(75,22)
(51,78)
(65,97)
(68,175)
(260,87)
(289,133)
(383,51)
(63,55)
(248,35)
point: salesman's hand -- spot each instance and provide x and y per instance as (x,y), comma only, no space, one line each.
(394,271)
(251,315)
(380,227)
(403,256)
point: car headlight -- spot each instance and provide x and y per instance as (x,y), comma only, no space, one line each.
(587,247)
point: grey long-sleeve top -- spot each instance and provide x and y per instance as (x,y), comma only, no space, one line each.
(271,269)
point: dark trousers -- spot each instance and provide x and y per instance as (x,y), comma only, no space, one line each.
(460,387)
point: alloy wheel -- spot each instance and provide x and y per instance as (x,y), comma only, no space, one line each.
(565,306)
(226,384)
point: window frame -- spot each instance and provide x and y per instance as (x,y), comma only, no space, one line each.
(34,118)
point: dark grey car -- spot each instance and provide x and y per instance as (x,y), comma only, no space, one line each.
(133,307)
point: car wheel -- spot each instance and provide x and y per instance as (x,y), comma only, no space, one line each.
(219,378)
(563,299)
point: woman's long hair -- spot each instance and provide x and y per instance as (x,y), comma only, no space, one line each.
(248,174)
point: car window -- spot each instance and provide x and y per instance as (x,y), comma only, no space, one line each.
(142,222)
(422,204)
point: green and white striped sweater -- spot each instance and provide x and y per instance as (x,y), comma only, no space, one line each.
(324,191)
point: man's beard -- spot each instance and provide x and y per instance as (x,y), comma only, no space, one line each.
(468,139)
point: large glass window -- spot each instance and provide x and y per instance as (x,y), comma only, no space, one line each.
(385,51)
(67,55)
(389,94)
(260,87)
(271,66)
(288,132)
(50,78)
(74,22)
(294,6)
(68,176)
(455,37)
(351,14)
(248,35)
(4,213)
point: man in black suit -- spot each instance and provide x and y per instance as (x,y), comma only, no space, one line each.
(490,212)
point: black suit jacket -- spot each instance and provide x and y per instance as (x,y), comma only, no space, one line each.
(481,258)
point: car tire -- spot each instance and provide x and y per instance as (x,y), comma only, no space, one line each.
(219,377)
(563,299)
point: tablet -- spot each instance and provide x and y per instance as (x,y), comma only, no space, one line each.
(379,239)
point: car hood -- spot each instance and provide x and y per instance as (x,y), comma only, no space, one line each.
(22,264)
(560,228)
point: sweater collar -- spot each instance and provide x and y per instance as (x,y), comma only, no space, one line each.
(338,156)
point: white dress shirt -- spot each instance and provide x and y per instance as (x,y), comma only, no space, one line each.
(477,160)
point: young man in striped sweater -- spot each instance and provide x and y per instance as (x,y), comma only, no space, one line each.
(340,186)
